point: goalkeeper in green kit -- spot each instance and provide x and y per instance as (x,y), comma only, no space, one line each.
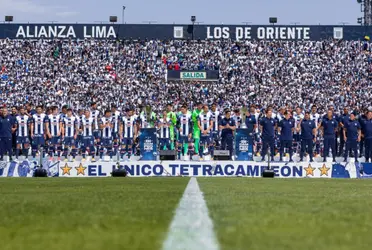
(196,130)
(173,120)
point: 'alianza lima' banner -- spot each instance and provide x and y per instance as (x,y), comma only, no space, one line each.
(182,168)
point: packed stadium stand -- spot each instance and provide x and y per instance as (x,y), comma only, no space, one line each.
(293,75)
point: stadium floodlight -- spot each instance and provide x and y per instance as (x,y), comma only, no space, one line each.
(9,19)
(273,20)
(122,18)
(193,20)
(360,20)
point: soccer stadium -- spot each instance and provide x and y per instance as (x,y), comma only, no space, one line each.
(252,136)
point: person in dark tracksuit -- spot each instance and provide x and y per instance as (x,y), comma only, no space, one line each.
(267,129)
(286,129)
(308,136)
(250,123)
(227,126)
(352,135)
(329,126)
(6,130)
(367,133)
(336,117)
(361,119)
(343,119)
(14,115)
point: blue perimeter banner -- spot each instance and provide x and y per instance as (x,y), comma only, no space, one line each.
(148,144)
(183,168)
(183,31)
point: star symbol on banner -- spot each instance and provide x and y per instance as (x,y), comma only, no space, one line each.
(324,170)
(309,170)
(66,169)
(80,169)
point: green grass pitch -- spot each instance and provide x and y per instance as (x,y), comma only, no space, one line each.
(135,213)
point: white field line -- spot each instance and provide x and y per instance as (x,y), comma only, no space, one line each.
(191,228)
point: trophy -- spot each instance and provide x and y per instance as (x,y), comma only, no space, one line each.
(243,113)
(148,115)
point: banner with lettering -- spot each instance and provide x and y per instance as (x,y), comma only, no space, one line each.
(180,31)
(148,144)
(177,31)
(199,75)
(243,149)
(209,169)
(189,168)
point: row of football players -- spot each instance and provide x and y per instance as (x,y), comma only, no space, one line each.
(66,134)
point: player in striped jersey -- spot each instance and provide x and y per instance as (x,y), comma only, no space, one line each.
(205,125)
(297,117)
(164,126)
(79,138)
(116,116)
(87,123)
(39,127)
(54,133)
(215,116)
(237,117)
(128,133)
(106,126)
(22,123)
(185,130)
(95,114)
(69,134)
(315,116)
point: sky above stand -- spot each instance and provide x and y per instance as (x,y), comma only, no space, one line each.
(299,12)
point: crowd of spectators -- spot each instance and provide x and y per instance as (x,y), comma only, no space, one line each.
(133,73)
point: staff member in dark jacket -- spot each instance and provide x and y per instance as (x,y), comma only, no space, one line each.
(361,119)
(267,129)
(250,123)
(329,128)
(6,130)
(308,136)
(227,126)
(367,132)
(343,119)
(285,129)
(352,135)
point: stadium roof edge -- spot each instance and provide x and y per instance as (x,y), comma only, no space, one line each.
(181,24)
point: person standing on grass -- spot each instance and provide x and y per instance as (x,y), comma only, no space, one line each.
(308,135)
(196,130)
(173,122)
(227,126)
(69,134)
(185,127)
(205,125)
(352,135)
(367,133)
(22,126)
(267,129)
(329,126)
(6,130)
(164,127)
(286,129)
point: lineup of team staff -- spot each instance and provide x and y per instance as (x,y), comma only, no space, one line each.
(95,133)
